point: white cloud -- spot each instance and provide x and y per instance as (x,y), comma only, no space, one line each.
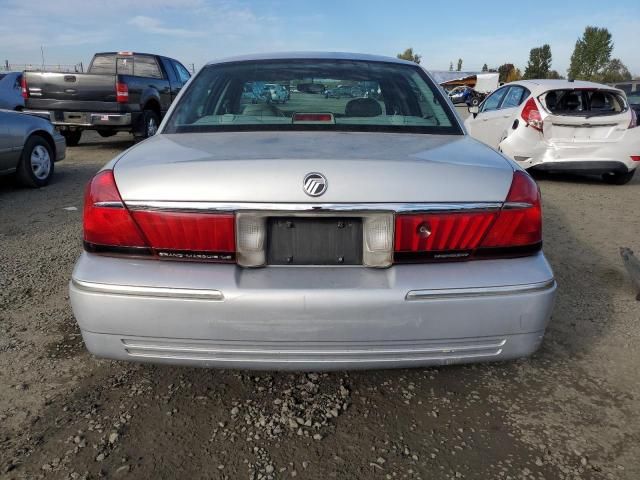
(155,26)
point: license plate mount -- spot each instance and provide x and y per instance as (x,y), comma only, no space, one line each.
(314,241)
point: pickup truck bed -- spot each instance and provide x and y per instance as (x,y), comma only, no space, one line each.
(105,99)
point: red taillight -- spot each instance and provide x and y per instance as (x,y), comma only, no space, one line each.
(122,92)
(109,226)
(635,158)
(107,222)
(516,229)
(441,233)
(531,114)
(519,223)
(195,232)
(23,86)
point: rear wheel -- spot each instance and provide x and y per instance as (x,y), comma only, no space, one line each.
(36,164)
(72,137)
(618,178)
(150,123)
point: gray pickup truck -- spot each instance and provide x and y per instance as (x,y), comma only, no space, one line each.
(121,91)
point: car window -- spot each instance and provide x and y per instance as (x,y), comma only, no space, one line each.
(18,83)
(493,100)
(183,73)
(514,97)
(103,64)
(324,94)
(145,66)
(2,75)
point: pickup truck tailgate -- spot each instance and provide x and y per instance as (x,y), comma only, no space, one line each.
(71,91)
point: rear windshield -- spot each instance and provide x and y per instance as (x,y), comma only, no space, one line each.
(137,65)
(583,102)
(312,95)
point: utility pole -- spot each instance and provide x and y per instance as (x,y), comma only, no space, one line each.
(42,53)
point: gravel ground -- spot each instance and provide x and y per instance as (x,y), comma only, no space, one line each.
(569,412)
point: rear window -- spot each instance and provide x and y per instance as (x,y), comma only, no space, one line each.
(589,102)
(137,65)
(313,95)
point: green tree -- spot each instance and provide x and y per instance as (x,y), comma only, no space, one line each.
(409,55)
(505,71)
(591,54)
(485,68)
(553,74)
(614,71)
(459,64)
(539,63)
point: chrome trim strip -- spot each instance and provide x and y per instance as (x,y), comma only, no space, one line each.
(445,293)
(109,204)
(218,349)
(515,205)
(166,292)
(310,207)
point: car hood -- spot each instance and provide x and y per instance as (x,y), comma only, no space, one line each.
(270,167)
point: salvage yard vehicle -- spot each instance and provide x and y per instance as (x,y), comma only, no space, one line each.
(561,126)
(10,91)
(312,235)
(29,147)
(121,91)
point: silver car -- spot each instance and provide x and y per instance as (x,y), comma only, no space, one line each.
(29,146)
(312,236)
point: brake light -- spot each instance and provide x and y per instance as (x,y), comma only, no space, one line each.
(109,226)
(122,92)
(107,222)
(635,158)
(531,114)
(519,223)
(516,229)
(23,86)
(201,233)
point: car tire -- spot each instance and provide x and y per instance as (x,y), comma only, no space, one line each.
(618,178)
(36,163)
(150,121)
(72,137)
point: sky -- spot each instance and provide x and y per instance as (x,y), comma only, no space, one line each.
(197,31)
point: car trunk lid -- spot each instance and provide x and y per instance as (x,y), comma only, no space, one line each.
(270,167)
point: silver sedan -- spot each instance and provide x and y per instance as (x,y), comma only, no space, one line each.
(29,147)
(314,235)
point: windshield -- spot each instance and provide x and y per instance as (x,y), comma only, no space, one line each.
(312,95)
(634,98)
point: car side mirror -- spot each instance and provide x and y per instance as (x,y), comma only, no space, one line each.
(474,110)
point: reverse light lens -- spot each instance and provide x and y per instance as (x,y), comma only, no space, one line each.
(23,86)
(378,240)
(251,232)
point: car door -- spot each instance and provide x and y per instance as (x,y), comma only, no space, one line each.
(10,141)
(483,126)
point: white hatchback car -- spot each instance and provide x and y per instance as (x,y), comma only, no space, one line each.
(561,125)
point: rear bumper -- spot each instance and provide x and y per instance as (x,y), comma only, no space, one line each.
(301,318)
(61,147)
(530,150)
(86,120)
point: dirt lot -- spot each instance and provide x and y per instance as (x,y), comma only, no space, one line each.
(571,411)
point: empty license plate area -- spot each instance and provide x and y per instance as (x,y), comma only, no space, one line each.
(314,241)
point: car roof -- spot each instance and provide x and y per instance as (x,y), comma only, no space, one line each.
(311,56)
(548,84)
